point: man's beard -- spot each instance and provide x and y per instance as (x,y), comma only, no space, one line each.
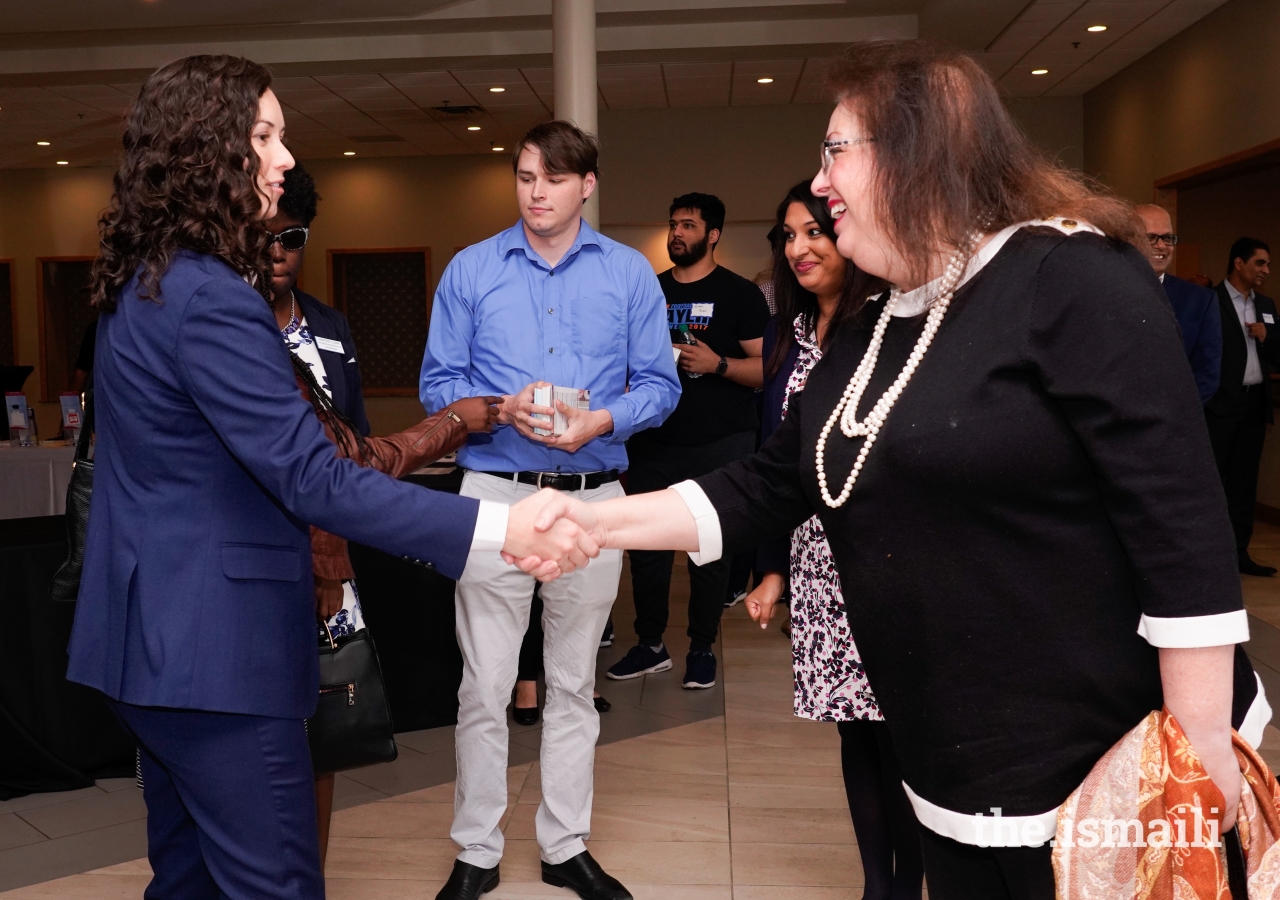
(690,255)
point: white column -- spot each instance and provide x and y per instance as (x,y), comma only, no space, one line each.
(573,47)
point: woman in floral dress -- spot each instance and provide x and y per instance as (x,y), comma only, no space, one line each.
(816,289)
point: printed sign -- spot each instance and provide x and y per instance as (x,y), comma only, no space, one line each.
(16,407)
(70,410)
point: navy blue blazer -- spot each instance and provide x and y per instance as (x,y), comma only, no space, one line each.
(775,556)
(340,366)
(197,589)
(1196,310)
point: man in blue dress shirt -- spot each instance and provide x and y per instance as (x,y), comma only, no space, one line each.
(546,302)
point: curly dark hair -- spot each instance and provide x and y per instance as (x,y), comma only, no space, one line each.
(299,199)
(188,179)
(792,299)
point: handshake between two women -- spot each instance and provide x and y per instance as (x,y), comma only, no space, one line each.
(550,534)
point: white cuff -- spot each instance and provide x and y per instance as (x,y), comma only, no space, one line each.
(491,527)
(1196,631)
(1256,719)
(984,829)
(710,544)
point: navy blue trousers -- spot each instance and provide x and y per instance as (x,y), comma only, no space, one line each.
(231,812)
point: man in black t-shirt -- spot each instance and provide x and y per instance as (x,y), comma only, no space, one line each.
(717,322)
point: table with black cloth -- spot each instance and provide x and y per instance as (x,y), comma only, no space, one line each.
(56,735)
(409,611)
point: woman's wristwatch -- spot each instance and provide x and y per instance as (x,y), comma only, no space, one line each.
(723,366)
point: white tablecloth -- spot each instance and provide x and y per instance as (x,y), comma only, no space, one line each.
(33,480)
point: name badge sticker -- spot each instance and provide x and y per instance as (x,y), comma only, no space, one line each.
(1268,318)
(703,309)
(331,345)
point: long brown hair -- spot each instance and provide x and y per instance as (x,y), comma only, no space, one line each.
(949,157)
(795,301)
(188,177)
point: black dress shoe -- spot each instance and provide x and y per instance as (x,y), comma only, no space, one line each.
(583,875)
(602,705)
(1249,567)
(467,882)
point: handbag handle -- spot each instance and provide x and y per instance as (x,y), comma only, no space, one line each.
(329,634)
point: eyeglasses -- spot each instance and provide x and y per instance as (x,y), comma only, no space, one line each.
(291,239)
(1170,239)
(831,148)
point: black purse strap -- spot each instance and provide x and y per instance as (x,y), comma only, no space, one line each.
(86,425)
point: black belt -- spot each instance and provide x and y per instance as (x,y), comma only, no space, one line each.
(561,481)
(1250,388)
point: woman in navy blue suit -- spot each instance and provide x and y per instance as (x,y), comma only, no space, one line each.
(196,616)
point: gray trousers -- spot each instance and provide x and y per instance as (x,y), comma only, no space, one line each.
(492,601)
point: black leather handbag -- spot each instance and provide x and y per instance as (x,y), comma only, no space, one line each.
(66,581)
(352,725)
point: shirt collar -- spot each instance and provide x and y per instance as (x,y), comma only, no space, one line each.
(1236,295)
(516,239)
(1161,277)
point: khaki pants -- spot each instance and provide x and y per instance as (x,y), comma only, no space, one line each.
(492,602)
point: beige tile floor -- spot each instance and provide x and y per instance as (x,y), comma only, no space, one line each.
(744,806)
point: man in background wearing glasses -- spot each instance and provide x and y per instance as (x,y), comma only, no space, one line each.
(1195,307)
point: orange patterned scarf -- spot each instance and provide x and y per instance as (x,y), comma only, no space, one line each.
(1155,842)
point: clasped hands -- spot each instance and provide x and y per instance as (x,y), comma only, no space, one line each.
(550,534)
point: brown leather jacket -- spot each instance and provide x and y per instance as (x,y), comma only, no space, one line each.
(397,455)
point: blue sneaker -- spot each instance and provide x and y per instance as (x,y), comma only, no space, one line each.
(699,670)
(640,660)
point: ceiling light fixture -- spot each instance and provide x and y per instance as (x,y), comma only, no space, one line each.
(63,162)
(348,153)
(764,81)
(473,128)
(42,143)
(496,90)
(1039,71)
(1096,28)
(499,149)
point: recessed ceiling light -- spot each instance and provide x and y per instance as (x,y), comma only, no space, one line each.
(42,143)
(499,148)
(348,153)
(1097,28)
(764,81)
(473,128)
(1039,71)
(63,162)
(496,90)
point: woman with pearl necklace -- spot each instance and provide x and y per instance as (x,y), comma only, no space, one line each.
(1008,455)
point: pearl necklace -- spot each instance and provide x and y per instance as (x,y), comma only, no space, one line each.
(846,410)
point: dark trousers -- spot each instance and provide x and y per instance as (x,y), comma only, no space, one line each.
(957,871)
(530,666)
(883,820)
(231,809)
(1237,447)
(654,466)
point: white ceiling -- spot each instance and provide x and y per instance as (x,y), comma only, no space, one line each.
(367,75)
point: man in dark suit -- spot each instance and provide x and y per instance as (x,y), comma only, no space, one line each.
(1240,411)
(1195,307)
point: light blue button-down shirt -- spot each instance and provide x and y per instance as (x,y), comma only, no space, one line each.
(503,318)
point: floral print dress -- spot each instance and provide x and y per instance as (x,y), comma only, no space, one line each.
(830,682)
(300,342)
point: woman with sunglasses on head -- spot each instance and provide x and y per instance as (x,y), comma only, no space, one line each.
(324,355)
(195,616)
(1009,459)
(816,290)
